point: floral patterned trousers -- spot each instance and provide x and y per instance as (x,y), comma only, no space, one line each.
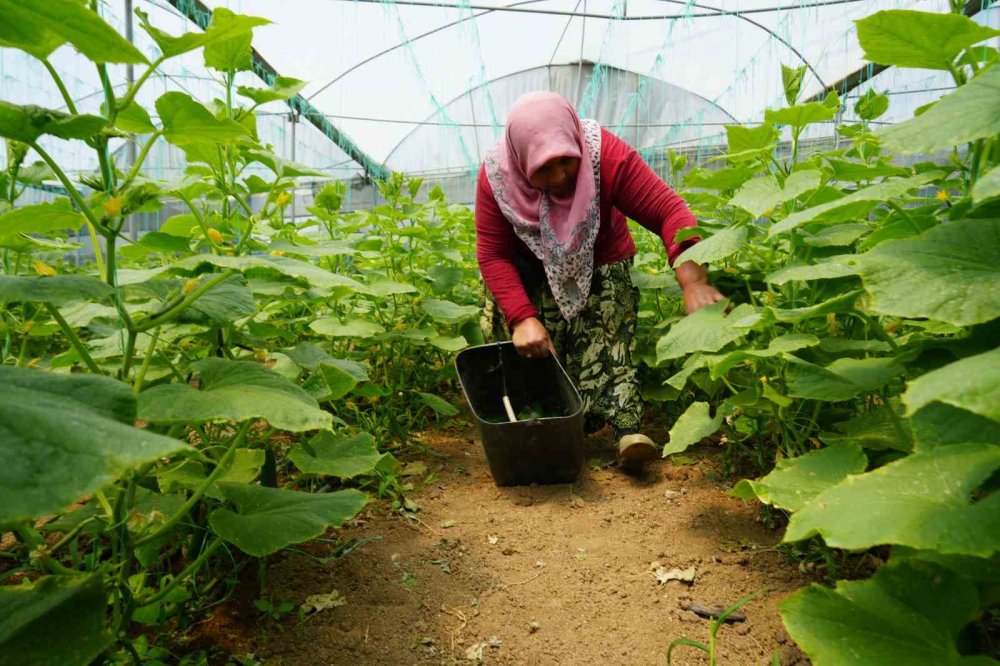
(595,347)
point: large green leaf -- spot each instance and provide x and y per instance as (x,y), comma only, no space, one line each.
(988,185)
(746,143)
(922,501)
(186,122)
(339,382)
(55,289)
(825,270)
(232,53)
(948,273)
(234,391)
(868,196)
(795,482)
(62,436)
(312,357)
(877,430)
(40,219)
(723,179)
(972,384)
(440,406)
(55,620)
(971,112)
(779,346)
(718,246)
(352,328)
(694,425)
(939,424)
(907,613)
(801,115)
(217,31)
(223,304)
(268,519)
(41,27)
(708,329)
(344,457)
(447,310)
(282,88)
(926,40)
(843,379)
(385,287)
(303,270)
(762,194)
(244,467)
(27,123)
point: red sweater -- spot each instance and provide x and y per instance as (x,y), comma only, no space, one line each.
(628,188)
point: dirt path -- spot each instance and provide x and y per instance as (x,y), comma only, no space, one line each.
(533,575)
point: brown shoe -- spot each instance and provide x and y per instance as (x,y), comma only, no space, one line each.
(634,451)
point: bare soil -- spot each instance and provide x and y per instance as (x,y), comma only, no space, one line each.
(540,575)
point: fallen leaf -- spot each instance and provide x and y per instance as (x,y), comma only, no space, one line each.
(534,626)
(664,575)
(415,468)
(493,539)
(448,523)
(495,642)
(475,652)
(581,554)
(577,502)
(320,602)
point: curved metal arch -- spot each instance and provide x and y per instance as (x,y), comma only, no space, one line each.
(686,3)
(468,92)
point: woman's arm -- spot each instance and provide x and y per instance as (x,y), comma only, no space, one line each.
(495,243)
(641,195)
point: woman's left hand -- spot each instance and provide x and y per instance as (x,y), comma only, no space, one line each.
(700,294)
(698,291)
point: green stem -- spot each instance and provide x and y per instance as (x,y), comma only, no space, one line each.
(188,572)
(134,171)
(92,222)
(161,318)
(150,350)
(129,354)
(73,339)
(130,95)
(59,84)
(200,490)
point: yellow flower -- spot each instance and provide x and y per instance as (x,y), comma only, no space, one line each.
(654,271)
(283,199)
(260,355)
(277,253)
(215,235)
(43,268)
(942,195)
(400,326)
(190,285)
(350,405)
(891,326)
(764,379)
(113,206)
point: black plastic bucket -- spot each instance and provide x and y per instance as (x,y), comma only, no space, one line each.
(547,445)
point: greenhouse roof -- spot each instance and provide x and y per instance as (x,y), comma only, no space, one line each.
(425,87)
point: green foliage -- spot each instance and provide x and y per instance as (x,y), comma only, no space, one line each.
(908,613)
(857,368)
(68,607)
(232,345)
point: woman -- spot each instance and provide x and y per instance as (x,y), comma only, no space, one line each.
(554,251)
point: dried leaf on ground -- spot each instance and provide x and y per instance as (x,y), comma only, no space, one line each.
(664,575)
(320,602)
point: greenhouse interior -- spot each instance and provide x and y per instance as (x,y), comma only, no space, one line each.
(500,332)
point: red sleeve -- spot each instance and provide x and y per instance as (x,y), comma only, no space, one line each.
(495,247)
(641,195)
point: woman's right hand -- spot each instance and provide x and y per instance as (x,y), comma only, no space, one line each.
(531,339)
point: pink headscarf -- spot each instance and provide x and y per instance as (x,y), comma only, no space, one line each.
(559,230)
